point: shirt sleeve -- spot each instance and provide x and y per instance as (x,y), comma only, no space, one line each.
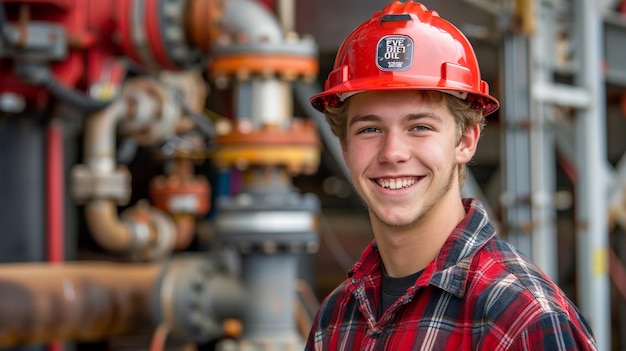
(554,331)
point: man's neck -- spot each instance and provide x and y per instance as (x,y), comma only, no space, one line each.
(406,250)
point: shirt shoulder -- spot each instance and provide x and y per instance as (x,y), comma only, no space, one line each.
(513,293)
(499,271)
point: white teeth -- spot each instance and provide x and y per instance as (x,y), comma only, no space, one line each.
(398,183)
(392,184)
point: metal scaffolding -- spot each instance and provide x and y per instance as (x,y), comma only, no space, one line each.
(532,131)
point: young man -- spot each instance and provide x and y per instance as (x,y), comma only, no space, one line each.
(407,103)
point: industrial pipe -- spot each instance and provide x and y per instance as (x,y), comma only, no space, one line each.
(82,301)
(103,185)
(251,22)
(147,112)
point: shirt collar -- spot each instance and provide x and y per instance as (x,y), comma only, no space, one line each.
(450,269)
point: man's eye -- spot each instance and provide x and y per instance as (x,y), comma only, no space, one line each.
(421,128)
(368,130)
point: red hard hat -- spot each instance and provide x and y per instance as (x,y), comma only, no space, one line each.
(406,46)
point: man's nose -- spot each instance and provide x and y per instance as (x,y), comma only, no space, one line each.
(394,148)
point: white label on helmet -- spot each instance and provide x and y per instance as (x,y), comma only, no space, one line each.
(394,53)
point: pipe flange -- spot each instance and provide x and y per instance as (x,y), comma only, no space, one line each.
(292,45)
(179,296)
(87,184)
(296,148)
(153,33)
(288,60)
(172,13)
(287,223)
(193,296)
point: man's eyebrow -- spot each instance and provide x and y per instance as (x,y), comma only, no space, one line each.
(408,118)
(423,115)
(364,118)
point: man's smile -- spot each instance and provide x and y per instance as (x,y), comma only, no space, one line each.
(396,183)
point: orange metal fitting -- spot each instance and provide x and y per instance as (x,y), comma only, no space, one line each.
(296,147)
(284,66)
(181,195)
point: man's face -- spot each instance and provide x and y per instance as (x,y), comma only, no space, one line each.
(403,156)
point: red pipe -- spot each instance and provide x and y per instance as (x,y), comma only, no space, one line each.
(55,250)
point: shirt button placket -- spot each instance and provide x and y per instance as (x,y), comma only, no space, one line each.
(372,340)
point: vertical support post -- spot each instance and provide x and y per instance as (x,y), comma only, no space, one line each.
(592,230)
(516,157)
(542,162)
(529,155)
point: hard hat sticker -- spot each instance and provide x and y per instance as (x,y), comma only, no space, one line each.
(395,53)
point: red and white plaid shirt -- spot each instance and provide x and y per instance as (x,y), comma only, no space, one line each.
(479,294)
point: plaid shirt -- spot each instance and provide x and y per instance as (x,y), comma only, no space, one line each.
(479,294)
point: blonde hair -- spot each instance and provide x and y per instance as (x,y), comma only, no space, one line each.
(464,112)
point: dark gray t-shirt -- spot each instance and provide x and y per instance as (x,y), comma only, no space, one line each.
(393,288)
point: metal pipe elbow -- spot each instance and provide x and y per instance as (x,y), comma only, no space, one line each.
(142,231)
(252,20)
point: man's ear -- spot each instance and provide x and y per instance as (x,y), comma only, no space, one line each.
(466,148)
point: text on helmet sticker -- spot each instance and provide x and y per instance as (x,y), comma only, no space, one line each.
(394,53)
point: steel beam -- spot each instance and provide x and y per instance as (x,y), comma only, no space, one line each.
(592,229)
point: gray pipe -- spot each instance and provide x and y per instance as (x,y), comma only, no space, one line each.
(250,18)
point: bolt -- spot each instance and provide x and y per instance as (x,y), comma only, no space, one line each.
(243,74)
(174,34)
(269,247)
(171,11)
(221,81)
(292,37)
(312,247)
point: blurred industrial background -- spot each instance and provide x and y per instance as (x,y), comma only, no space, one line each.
(165,185)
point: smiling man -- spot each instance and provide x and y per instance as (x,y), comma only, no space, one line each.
(407,103)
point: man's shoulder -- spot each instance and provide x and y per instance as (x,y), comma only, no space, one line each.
(504,275)
(508,289)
